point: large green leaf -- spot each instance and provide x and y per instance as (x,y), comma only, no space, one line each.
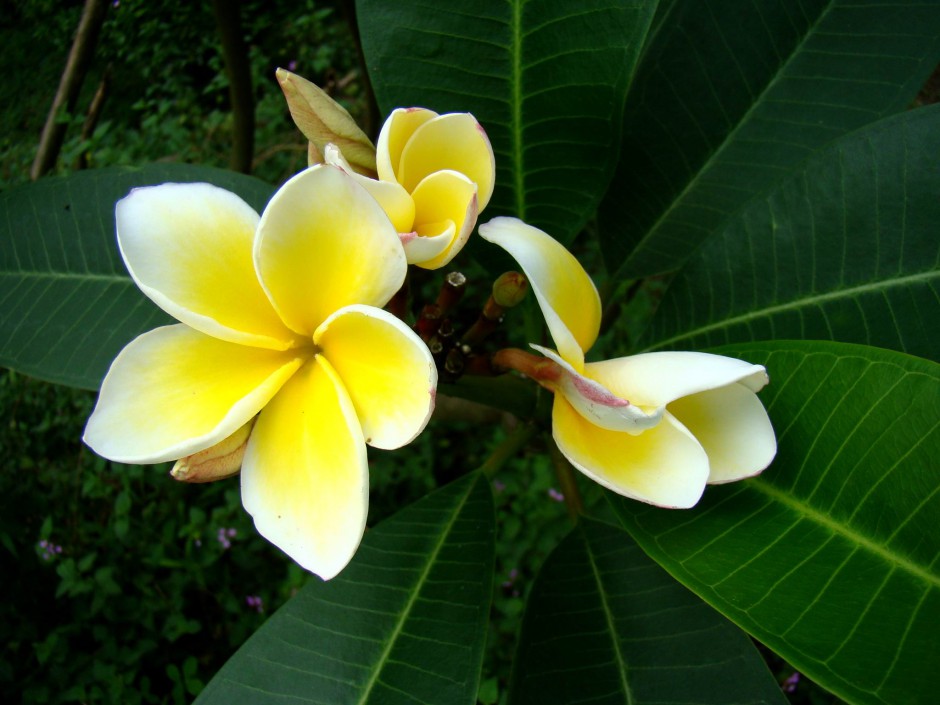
(605,624)
(546,78)
(831,557)
(728,98)
(405,622)
(67,305)
(846,249)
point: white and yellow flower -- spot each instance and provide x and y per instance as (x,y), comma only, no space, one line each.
(436,174)
(279,319)
(655,427)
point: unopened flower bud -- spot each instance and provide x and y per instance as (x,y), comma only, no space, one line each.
(510,289)
(222,460)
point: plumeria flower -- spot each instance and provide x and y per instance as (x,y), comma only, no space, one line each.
(436,173)
(279,320)
(655,427)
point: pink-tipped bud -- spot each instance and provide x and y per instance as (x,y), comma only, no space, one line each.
(510,289)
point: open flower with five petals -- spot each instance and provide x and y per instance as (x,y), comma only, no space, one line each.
(655,427)
(436,173)
(279,322)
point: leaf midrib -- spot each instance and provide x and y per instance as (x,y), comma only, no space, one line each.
(766,488)
(729,138)
(515,38)
(611,627)
(82,276)
(796,304)
(406,612)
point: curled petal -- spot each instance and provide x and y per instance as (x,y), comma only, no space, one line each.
(188,247)
(656,379)
(445,197)
(304,476)
(395,201)
(454,142)
(664,465)
(566,294)
(386,369)
(731,424)
(596,403)
(324,243)
(174,391)
(395,133)
(429,244)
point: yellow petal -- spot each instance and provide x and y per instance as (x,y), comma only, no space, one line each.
(386,369)
(174,391)
(324,243)
(189,248)
(323,121)
(731,424)
(454,142)
(445,197)
(664,466)
(656,379)
(304,476)
(395,201)
(566,294)
(395,133)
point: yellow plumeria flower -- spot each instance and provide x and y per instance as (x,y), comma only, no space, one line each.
(278,316)
(436,173)
(655,427)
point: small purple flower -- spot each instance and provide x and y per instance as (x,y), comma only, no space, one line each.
(789,685)
(555,495)
(255,602)
(292,65)
(224,537)
(513,574)
(48,550)
(498,486)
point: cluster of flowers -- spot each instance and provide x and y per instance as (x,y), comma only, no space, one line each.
(285,366)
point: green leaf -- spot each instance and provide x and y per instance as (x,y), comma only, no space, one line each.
(67,305)
(545,79)
(605,624)
(728,99)
(405,622)
(831,557)
(846,249)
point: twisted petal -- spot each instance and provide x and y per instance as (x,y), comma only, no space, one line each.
(448,198)
(304,476)
(733,427)
(664,465)
(188,247)
(395,133)
(324,243)
(566,294)
(386,369)
(656,379)
(455,142)
(174,391)
(395,201)
(428,246)
(598,404)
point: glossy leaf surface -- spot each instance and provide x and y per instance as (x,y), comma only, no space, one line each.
(728,98)
(405,622)
(831,557)
(845,249)
(67,304)
(605,624)
(546,79)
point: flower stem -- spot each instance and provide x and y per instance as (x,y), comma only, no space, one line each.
(511,445)
(567,481)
